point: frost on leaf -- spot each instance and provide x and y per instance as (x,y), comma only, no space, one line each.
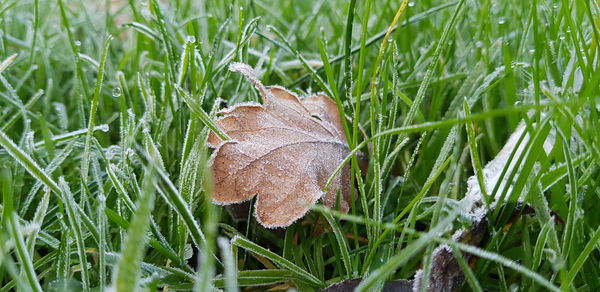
(283,152)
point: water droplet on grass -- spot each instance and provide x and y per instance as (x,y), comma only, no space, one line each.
(116,92)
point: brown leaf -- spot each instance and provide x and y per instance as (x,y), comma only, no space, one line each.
(282,151)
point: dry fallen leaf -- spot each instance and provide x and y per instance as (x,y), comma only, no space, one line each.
(282,151)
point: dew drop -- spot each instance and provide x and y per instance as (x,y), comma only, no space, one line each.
(190,39)
(561,36)
(411,4)
(555,6)
(479,44)
(531,51)
(78,43)
(116,92)
(501,21)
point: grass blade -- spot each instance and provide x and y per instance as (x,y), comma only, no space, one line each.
(231,273)
(93,108)
(276,259)
(127,273)
(342,245)
(28,163)
(15,230)
(583,256)
(406,254)
(74,219)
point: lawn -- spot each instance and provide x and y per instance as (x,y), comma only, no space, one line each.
(469,133)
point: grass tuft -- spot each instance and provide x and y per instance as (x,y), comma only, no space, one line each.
(106,106)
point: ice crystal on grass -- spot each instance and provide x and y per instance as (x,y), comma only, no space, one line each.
(282,151)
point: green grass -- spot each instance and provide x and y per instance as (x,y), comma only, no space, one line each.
(105,108)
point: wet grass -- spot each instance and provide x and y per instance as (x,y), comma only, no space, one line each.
(105,107)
